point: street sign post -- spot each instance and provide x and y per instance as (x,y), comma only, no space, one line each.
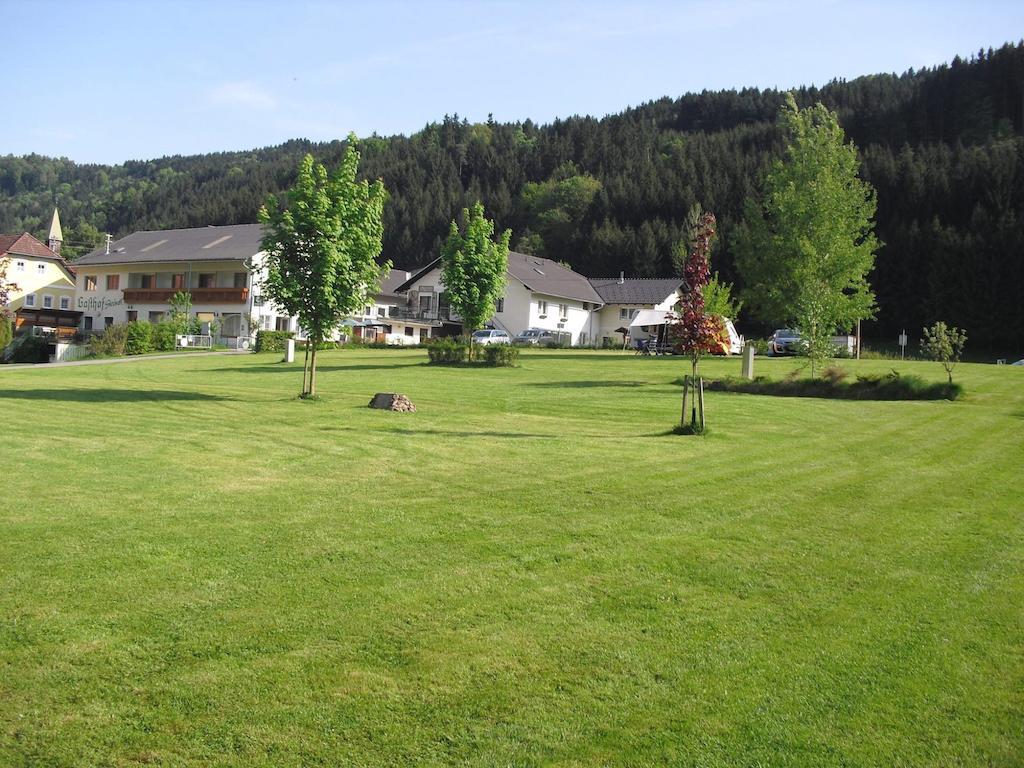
(903,343)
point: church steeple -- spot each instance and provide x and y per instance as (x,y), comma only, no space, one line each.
(56,237)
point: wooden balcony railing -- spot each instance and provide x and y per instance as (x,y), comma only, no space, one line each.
(199,295)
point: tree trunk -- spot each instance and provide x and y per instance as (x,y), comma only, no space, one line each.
(682,413)
(695,360)
(312,370)
(305,366)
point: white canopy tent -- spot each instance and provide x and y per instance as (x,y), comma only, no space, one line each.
(655,318)
(651,317)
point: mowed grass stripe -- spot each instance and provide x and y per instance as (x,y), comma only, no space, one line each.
(527,571)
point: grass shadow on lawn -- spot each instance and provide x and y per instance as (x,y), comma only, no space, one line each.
(107,395)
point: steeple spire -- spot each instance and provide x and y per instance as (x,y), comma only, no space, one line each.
(56,237)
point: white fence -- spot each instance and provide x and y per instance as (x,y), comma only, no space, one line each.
(194,341)
(66,353)
(239,342)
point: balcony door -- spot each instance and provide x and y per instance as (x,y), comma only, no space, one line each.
(426,304)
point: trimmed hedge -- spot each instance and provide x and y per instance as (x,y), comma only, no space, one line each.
(272,341)
(890,386)
(6,331)
(138,338)
(163,336)
(501,355)
(447,351)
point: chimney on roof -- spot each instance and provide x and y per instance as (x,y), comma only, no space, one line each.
(109,238)
(622,277)
(56,237)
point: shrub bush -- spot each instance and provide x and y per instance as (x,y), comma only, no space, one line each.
(889,386)
(163,336)
(138,337)
(557,344)
(110,343)
(323,345)
(835,374)
(501,355)
(6,331)
(760,346)
(272,341)
(447,351)
(34,349)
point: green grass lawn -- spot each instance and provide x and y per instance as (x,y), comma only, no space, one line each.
(198,569)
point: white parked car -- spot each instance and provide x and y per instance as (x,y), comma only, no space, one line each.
(491,336)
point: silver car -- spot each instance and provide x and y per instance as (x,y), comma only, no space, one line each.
(785,341)
(491,336)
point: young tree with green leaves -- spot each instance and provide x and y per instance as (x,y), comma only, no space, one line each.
(805,250)
(178,309)
(473,267)
(944,344)
(718,299)
(322,248)
(5,297)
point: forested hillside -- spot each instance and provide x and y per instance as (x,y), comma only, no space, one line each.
(944,147)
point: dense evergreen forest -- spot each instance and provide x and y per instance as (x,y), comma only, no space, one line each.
(944,147)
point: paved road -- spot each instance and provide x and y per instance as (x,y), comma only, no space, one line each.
(131,359)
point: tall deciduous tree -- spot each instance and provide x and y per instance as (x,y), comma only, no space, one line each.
(695,331)
(322,248)
(473,267)
(806,249)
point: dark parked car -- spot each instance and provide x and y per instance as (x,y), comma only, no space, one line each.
(535,336)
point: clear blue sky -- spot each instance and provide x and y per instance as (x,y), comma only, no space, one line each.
(112,81)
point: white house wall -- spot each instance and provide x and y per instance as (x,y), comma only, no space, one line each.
(610,317)
(577,321)
(521,309)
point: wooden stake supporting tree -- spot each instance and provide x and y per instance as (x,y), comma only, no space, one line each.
(693,331)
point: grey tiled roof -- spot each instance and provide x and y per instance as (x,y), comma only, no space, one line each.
(230,243)
(551,278)
(393,279)
(542,276)
(635,290)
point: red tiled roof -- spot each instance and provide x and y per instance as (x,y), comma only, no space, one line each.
(25,245)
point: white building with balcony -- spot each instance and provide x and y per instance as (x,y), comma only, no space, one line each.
(134,278)
(539,293)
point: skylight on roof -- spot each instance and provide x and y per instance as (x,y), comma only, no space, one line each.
(151,246)
(537,271)
(218,241)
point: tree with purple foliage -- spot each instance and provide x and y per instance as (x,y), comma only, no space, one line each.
(693,331)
